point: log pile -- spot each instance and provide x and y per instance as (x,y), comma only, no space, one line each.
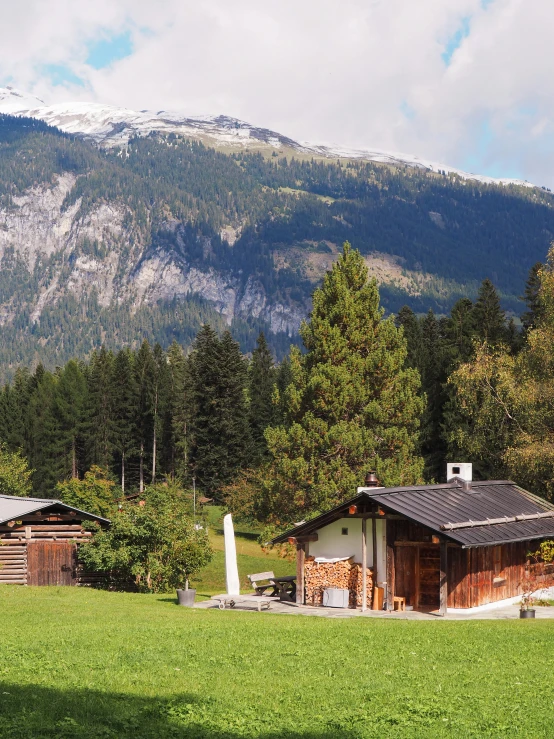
(346,574)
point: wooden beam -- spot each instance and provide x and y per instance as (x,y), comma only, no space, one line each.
(390,567)
(374,550)
(364,564)
(443,583)
(492,521)
(300,559)
(403,543)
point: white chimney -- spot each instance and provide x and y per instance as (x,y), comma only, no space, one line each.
(463,470)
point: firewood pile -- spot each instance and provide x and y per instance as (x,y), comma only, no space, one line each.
(346,574)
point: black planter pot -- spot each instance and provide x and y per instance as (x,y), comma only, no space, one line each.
(186,597)
(530,613)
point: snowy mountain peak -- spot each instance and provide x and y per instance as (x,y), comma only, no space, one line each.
(109,125)
(13,100)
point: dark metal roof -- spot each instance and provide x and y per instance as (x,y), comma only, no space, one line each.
(434,506)
(13,507)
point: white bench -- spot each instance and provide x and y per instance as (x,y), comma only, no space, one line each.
(258,578)
(262,601)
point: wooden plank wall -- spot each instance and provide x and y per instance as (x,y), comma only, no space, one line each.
(487,574)
(14,541)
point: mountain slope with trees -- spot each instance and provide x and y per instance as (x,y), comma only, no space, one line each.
(156,238)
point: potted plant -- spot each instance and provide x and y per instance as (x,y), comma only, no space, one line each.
(186,597)
(526,609)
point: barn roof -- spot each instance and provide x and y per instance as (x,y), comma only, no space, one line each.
(471,514)
(13,508)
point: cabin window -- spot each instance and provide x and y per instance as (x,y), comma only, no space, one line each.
(344,532)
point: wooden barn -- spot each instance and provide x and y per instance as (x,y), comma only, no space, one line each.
(39,540)
(457,545)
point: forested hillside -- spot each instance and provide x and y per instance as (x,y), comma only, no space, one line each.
(158,237)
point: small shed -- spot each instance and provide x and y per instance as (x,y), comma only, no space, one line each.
(456,545)
(39,540)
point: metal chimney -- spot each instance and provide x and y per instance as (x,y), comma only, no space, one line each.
(462,470)
(371,480)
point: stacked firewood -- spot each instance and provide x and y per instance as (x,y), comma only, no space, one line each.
(346,575)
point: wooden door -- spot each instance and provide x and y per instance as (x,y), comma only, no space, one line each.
(429,577)
(51,563)
(405,573)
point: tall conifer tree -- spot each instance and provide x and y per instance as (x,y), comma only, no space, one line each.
(221,434)
(261,383)
(490,319)
(124,392)
(352,405)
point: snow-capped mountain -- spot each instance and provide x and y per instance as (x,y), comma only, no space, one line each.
(108,126)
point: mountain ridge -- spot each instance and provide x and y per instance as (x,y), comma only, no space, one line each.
(109,125)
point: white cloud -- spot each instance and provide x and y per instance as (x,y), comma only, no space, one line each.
(325,71)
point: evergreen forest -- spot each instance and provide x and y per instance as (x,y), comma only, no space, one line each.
(276,441)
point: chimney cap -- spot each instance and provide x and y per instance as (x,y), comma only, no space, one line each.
(371,480)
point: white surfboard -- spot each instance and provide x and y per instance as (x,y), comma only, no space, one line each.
(231,568)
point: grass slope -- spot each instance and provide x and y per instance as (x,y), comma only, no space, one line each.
(85,663)
(250,557)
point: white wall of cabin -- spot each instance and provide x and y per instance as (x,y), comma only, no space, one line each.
(332,543)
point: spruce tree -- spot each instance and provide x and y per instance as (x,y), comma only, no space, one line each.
(221,434)
(352,404)
(144,371)
(69,406)
(489,318)
(534,312)
(180,411)
(100,409)
(261,383)
(124,402)
(460,331)
(412,333)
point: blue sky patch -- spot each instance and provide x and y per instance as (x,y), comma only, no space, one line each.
(455,41)
(59,74)
(408,111)
(105,51)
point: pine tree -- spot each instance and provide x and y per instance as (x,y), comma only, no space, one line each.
(180,411)
(261,383)
(352,405)
(412,333)
(460,332)
(534,311)
(100,411)
(158,397)
(124,402)
(69,405)
(221,438)
(488,316)
(144,371)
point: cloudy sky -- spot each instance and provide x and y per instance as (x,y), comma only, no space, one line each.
(466,82)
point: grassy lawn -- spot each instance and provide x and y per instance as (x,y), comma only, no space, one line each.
(250,558)
(85,663)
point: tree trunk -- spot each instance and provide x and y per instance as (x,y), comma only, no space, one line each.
(73,460)
(141,468)
(154,439)
(154,458)
(123,472)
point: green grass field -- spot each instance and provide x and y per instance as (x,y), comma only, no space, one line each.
(85,663)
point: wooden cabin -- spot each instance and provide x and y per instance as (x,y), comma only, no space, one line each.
(457,545)
(39,541)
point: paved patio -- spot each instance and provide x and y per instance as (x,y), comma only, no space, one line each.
(291,609)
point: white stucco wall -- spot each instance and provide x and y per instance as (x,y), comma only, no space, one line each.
(332,543)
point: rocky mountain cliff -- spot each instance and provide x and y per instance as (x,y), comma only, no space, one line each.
(157,233)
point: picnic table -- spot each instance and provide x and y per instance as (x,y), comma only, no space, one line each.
(284,587)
